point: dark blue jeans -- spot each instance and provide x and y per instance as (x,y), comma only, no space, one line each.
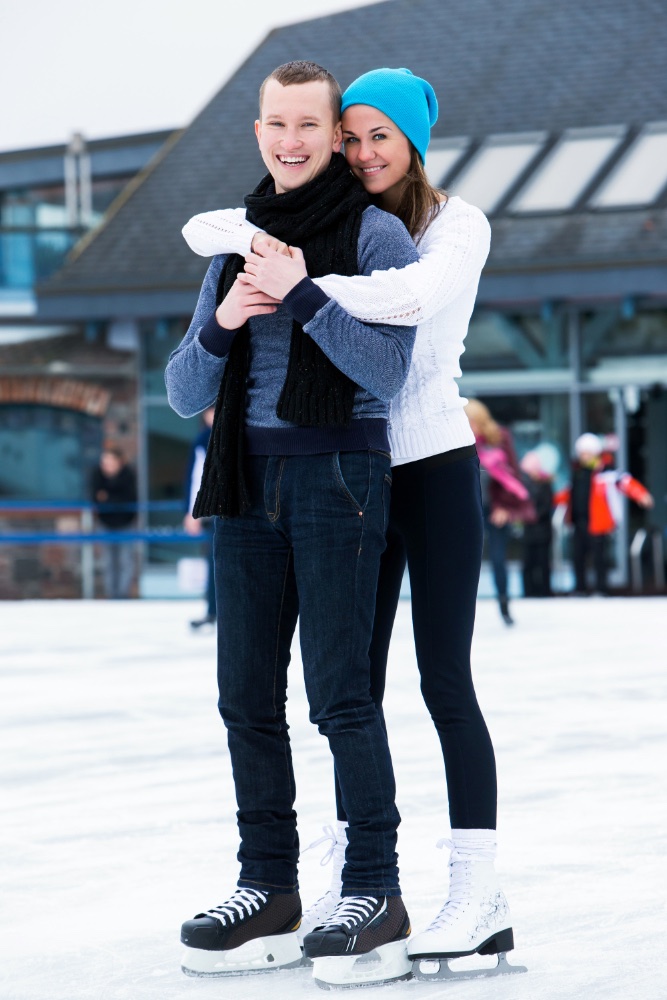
(309,546)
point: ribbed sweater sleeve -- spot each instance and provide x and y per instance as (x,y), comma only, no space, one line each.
(193,373)
(453,252)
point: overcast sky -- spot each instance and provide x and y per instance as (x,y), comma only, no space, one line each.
(125,66)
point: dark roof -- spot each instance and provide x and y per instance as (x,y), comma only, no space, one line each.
(514,66)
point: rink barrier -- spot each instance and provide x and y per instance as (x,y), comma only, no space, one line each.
(87,536)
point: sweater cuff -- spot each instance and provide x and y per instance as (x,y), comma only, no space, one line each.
(215,339)
(304,300)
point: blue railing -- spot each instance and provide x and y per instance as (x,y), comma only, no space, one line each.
(88,534)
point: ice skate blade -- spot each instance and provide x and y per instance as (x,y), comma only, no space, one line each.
(387,964)
(438,969)
(266,954)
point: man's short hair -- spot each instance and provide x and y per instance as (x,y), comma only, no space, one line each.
(302,71)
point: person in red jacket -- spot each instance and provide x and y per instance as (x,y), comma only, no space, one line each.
(594,508)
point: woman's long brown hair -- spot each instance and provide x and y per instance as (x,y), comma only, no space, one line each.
(419,201)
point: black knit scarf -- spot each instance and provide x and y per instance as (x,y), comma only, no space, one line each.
(323,218)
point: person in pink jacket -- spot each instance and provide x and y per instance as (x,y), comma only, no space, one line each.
(508,500)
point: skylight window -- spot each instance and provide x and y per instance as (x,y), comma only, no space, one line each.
(641,174)
(566,172)
(441,156)
(494,169)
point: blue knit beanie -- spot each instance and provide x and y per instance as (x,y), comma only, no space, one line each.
(408,100)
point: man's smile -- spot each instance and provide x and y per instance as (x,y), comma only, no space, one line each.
(291,160)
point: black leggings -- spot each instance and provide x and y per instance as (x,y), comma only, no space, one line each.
(436,525)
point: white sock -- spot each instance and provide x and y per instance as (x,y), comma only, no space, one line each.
(474,845)
(341,831)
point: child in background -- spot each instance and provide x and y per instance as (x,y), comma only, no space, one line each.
(594,508)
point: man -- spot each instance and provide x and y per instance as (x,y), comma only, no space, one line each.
(114,488)
(298,473)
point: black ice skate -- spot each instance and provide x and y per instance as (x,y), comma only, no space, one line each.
(252,932)
(361,943)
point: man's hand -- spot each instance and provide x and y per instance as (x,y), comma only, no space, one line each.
(191,526)
(262,240)
(241,302)
(274,273)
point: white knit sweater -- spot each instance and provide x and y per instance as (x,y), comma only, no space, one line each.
(437,292)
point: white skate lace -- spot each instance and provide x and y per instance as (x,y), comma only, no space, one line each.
(239,906)
(322,907)
(329,834)
(459,888)
(350,911)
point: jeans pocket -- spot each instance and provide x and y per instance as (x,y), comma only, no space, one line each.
(352,473)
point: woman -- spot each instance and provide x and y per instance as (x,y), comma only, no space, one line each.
(508,500)
(436,513)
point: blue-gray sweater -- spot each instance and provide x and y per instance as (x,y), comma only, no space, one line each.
(374,356)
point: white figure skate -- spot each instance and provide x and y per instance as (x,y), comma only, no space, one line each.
(474,920)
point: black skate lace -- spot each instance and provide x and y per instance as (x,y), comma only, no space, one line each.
(351,910)
(239,906)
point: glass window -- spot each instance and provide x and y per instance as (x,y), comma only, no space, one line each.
(159,339)
(625,350)
(641,174)
(441,156)
(493,170)
(501,342)
(46,453)
(570,167)
(31,256)
(39,206)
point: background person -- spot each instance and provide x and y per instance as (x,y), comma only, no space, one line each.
(114,494)
(203,526)
(537,534)
(508,500)
(594,508)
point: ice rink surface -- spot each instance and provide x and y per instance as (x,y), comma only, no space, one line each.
(118,813)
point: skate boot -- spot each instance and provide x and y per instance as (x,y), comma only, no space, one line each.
(363,942)
(474,920)
(326,904)
(200,622)
(252,932)
(504,605)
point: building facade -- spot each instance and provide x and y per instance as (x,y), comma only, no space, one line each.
(552,120)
